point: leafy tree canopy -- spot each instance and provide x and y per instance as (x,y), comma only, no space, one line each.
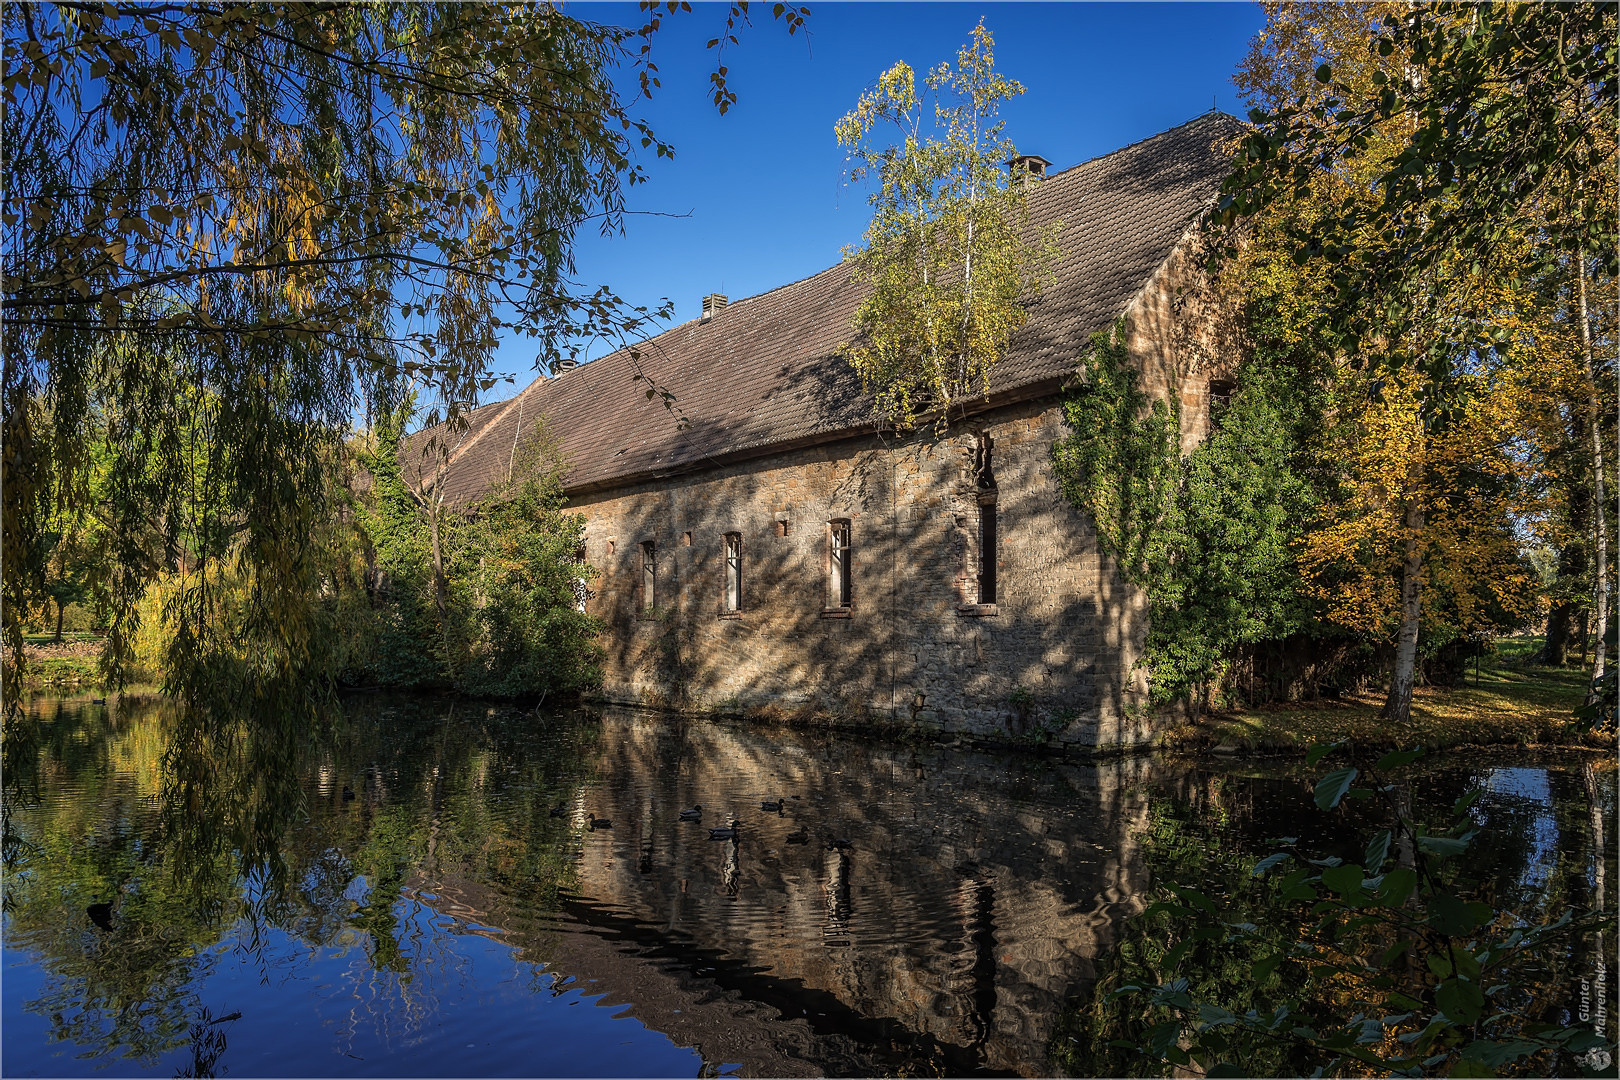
(950,256)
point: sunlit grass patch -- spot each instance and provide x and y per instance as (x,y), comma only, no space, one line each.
(1507,701)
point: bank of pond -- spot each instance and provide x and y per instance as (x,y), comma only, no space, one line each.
(434,886)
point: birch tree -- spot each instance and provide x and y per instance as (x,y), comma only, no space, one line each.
(950,256)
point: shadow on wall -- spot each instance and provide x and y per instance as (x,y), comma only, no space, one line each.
(1052,659)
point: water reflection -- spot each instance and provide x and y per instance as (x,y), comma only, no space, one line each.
(414,888)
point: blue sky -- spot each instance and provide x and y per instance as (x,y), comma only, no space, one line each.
(760,191)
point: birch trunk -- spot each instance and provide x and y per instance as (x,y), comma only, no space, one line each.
(1594,412)
(1398,708)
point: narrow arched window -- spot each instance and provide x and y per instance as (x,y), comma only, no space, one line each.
(649,576)
(731,598)
(840,564)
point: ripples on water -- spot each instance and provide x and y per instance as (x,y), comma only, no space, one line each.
(408,904)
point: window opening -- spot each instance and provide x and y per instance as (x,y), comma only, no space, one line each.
(840,565)
(733,592)
(649,576)
(582,591)
(1220,398)
(987,552)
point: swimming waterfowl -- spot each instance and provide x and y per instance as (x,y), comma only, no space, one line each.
(802,836)
(101,915)
(694,814)
(838,843)
(772,807)
(726,832)
(560,810)
(600,823)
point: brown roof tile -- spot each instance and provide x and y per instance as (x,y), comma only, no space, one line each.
(764,371)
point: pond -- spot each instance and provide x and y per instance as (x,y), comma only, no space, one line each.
(417,890)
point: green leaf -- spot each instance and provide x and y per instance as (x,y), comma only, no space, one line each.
(1377,850)
(1320,751)
(1460,1000)
(1344,880)
(1268,862)
(1453,917)
(1331,788)
(1466,1066)
(1466,800)
(1396,758)
(1397,886)
(1264,967)
(1442,846)
(1324,74)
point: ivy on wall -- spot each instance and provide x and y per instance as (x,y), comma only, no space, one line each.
(1209,537)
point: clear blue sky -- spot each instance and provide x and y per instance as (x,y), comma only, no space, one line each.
(761,189)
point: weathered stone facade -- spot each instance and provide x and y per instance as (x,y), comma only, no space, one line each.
(1055,657)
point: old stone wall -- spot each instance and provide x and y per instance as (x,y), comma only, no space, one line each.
(1053,658)
(913,646)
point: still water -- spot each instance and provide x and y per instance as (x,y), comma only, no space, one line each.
(416,890)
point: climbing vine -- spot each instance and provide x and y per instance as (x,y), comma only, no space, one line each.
(1209,537)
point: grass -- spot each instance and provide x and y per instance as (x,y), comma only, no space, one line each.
(1510,702)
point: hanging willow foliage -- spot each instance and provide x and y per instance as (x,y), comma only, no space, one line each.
(232,229)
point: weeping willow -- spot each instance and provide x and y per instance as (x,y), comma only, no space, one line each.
(235,231)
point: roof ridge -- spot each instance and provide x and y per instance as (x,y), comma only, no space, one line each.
(1144,139)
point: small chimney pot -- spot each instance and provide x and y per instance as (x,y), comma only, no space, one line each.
(713,304)
(1027,169)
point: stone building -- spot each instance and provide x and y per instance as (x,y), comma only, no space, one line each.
(781,549)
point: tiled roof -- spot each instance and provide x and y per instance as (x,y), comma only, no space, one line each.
(765,372)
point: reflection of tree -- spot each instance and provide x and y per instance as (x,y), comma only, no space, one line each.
(192,829)
(1529,864)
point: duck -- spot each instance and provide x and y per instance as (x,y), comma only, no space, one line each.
(348,793)
(98,701)
(838,843)
(802,836)
(772,807)
(693,814)
(599,823)
(726,832)
(560,810)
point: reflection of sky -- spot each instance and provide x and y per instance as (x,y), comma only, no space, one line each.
(1531,787)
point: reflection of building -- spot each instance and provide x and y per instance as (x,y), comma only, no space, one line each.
(776,551)
(968,909)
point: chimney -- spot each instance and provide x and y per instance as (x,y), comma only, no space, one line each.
(1027,168)
(713,304)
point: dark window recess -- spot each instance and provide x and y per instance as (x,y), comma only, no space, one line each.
(1220,397)
(987,553)
(982,475)
(649,576)
(732,598)
(840,564)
